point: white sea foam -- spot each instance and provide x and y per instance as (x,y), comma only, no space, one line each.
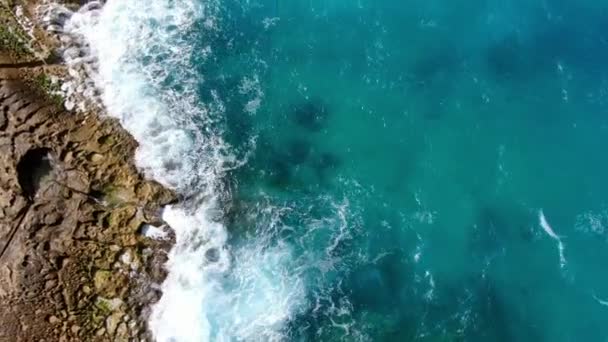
(592,222)
(251,87)
(148,82)
(154,232)
(600,301)
(549,230)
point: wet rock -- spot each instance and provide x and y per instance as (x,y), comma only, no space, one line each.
(212,255)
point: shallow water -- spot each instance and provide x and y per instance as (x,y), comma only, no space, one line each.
(372,170)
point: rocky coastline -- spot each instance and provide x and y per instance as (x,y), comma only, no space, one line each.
(75,262)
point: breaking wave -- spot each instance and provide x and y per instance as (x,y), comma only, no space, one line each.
(150,83)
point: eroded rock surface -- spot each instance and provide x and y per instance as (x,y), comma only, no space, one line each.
(73,264)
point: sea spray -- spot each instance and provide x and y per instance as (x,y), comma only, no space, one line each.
(78,86)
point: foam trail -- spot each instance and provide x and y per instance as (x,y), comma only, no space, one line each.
(547,228)
(144,51)
(600,301)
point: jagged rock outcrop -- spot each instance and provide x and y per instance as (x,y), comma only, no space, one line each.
(73,262)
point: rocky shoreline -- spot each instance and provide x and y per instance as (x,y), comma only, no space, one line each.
(75,264)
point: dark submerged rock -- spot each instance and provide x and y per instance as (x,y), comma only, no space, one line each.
(299,151)
(507,58)
(311,115)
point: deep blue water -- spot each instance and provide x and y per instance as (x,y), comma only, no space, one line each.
(411,168)
(412,146)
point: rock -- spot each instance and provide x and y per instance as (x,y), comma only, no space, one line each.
(3,119)
(122,332)
(112,322)
(86,289)
(96,158)
(110,284)
(50,284)
(100,332)
(54,232)
(109,304)
(52,219)
(102,280)
(77,180)
(69,156)
(132,325)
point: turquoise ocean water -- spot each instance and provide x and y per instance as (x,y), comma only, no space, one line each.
(410,170)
